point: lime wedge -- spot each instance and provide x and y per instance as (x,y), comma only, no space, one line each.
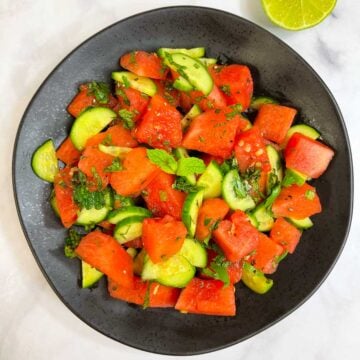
(297,14)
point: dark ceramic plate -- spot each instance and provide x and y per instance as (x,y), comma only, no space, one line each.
(278,71)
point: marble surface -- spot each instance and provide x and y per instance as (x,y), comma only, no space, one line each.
(34,324)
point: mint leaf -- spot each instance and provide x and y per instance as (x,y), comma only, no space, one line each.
(182,184)
(116,165)
(163,160)
(189,166)
(100,90)
(310,194)
(127,118)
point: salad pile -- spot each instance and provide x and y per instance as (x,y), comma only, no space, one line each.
(176,182)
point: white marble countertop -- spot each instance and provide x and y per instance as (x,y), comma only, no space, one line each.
(34,324)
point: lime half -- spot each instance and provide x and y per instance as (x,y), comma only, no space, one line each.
(297,14)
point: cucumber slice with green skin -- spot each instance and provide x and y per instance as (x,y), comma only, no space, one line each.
(265,221)
(255,280)
(54,204)
(181,153)
(211,180)
(190,210)
(176,271)
(193,113)
(89,123)
(140,83)
(208,61)
(128,229)
(302,224)
(182,84)
(294,177)
(304,130)
(235,202)
(116,151)
(194,52)
(88,217)
(122,213)
(253,220)
(194,252)
(276,166)
(89,275)
(257,101)
(44,162)
(192,70)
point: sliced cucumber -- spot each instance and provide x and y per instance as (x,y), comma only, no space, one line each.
(257,101)
(90,123)
(116,151)
(54,204)
(194,252)
(255,280)
(182,84)
(302,224)
(192,70)
(304,130)
(294,177)
(44,162)
(211,180)
(231,180)
(276,166)
(194,52)
(140,83)
(190,210)
(128,229)
(193,113)
(265,221)
(181,153)
(89,275)
(208,61)
(122,213)
(88,217)
(253,220)
(176,271)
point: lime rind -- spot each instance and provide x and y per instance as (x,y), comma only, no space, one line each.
(298,14)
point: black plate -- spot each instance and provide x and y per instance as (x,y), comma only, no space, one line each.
(277,70)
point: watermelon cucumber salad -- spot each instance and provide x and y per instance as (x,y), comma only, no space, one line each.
(176,183)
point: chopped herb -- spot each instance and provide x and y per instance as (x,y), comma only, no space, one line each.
(218,269)
(169,98)
(207,221)
(310,194)
(273,179)
(107,140)
(182,184)
(120,92)
(201,139)
(125,81)
(239,187)
(97,178)
(225,89)
(132,57)
(251,181)
(71,243)
(163,195)
(127,118)
(100,90)
(122,201)
(196,66)
(272,197)
(217,111)
(115,166)
(236,110)
(162,159)
(228,165)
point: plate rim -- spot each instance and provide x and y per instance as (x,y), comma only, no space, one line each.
(347,143)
